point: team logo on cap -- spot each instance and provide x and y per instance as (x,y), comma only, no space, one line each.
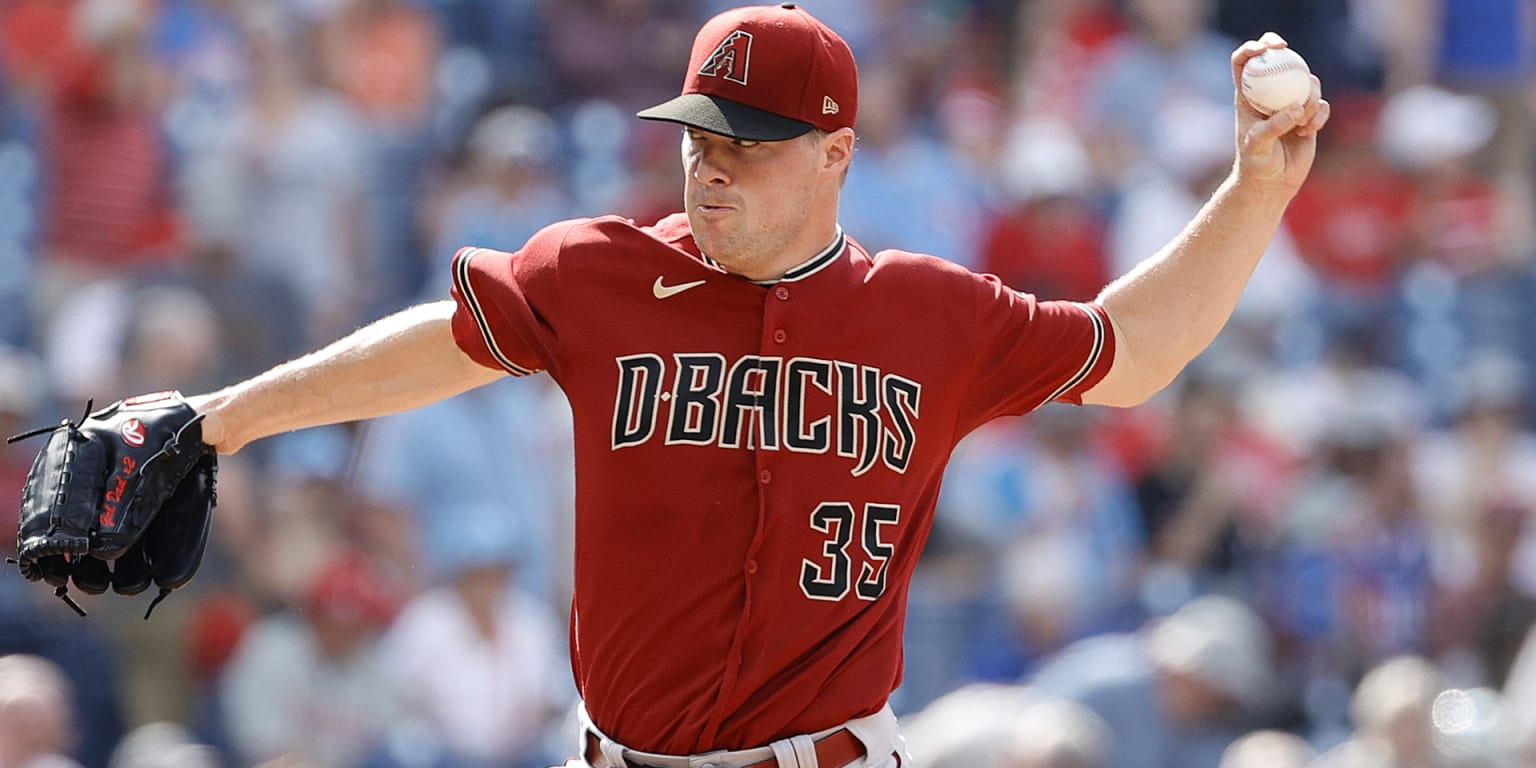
(730,59)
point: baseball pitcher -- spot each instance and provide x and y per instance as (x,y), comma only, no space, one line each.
(763,409)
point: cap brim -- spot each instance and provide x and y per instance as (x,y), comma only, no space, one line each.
(726,117)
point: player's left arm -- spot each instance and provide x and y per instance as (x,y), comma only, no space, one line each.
(1169,308)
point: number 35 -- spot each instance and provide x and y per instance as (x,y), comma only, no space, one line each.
(831,578)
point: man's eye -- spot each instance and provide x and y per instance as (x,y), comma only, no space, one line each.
(695,136)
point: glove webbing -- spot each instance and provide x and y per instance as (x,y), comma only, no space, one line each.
(62,591)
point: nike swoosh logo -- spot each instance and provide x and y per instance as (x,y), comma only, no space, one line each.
(668,291)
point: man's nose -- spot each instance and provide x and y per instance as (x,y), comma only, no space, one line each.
(708,167)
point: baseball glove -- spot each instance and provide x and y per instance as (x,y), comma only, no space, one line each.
(123,499)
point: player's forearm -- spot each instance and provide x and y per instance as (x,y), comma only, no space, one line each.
(1170,307)
(403,361)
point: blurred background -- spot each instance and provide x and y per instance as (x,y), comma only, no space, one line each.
(1318,548)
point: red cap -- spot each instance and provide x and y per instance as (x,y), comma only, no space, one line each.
(765,73)
(351,590)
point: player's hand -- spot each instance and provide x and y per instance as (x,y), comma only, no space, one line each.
(1275,152)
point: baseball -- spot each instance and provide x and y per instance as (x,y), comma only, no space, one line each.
(1276,79)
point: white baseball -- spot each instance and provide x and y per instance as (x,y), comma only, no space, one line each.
(1276,79)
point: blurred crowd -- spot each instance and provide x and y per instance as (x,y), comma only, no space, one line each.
(1318,548)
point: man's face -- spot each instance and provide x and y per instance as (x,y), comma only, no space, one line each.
(750,202)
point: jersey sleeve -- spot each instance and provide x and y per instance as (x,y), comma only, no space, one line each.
(1034,352)
(506,303)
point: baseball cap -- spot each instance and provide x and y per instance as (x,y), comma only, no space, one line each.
(350,590)
(1221,642)
(765,73)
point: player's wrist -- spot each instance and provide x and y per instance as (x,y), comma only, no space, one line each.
(215,425)
(1255,192)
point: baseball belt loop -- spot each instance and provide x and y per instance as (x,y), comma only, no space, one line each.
(613,752)
(784,754)
(796,752)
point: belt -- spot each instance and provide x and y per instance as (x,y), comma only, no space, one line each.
(835,750)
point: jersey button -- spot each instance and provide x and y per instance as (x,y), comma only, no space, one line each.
(779,336)
(782,293)
(765,477)
(751,566)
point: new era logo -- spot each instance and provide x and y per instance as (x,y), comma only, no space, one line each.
(828,106)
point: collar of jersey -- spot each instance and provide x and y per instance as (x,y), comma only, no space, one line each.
(808,267)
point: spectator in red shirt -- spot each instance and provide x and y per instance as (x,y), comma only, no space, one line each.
(1350,222)
(108,205)
(1437,137)
(1047,238)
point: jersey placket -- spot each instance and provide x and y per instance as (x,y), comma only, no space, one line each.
(772,345)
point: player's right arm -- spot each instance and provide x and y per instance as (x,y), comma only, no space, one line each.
(1169,308)
(404,361)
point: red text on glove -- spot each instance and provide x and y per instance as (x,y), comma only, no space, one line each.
(117,485)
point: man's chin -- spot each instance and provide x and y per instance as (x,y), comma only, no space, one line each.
(712,242)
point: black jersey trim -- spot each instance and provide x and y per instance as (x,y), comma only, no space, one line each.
(810,267)
(818,262)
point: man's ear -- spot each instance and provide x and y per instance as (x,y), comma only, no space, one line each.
(837,150)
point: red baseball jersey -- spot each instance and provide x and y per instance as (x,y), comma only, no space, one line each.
(757,463)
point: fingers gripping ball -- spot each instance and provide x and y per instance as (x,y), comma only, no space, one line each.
(1276,80)
(123,499)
